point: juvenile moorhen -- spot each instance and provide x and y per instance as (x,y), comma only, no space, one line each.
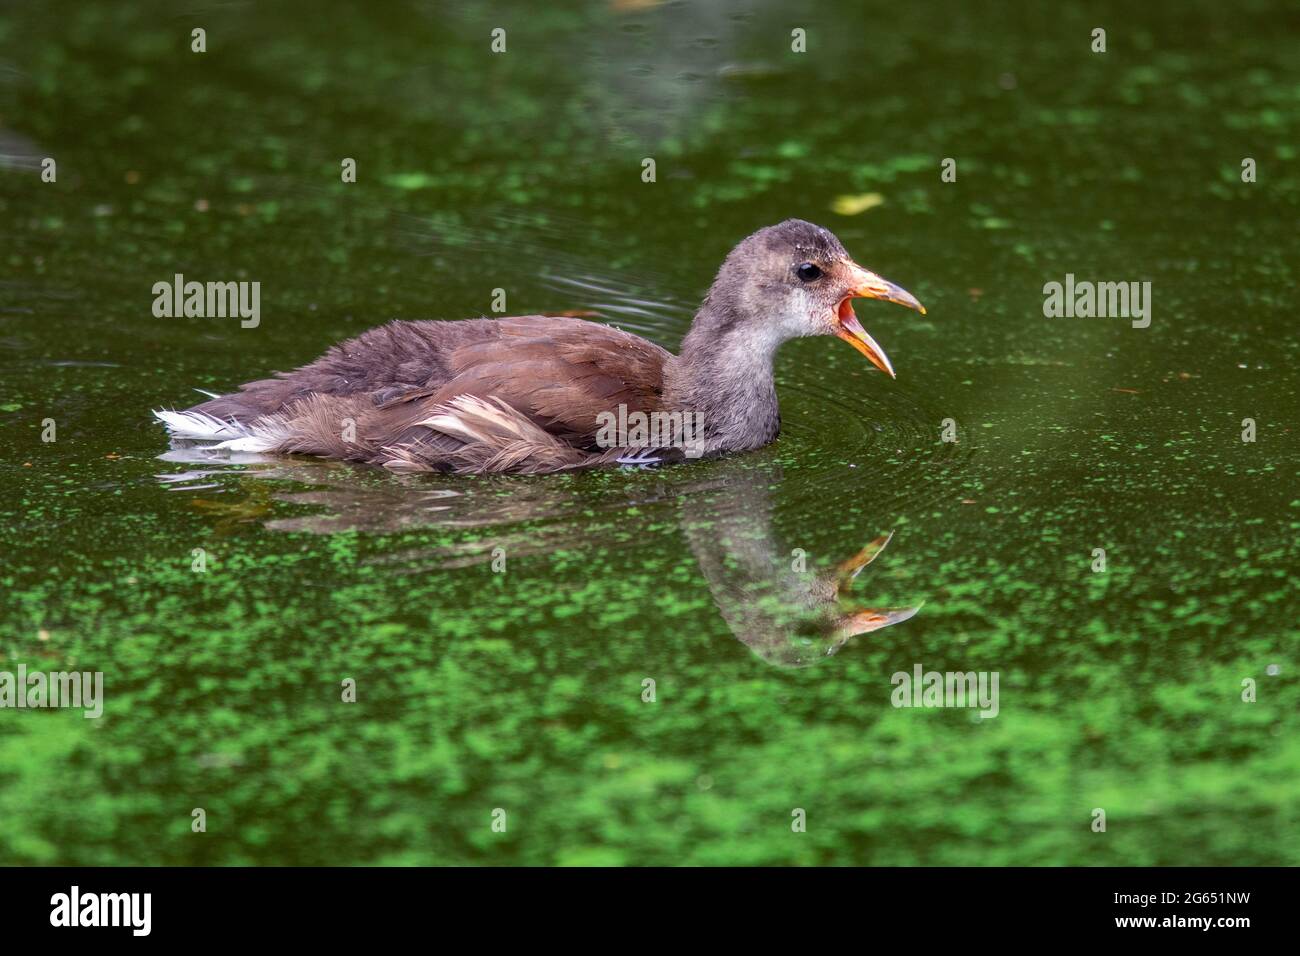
(531,394)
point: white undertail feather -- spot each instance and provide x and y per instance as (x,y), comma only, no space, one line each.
(198,426)
(262,435)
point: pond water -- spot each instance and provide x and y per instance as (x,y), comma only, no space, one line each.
(728,584)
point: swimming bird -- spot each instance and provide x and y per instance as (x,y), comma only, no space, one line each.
(533,394)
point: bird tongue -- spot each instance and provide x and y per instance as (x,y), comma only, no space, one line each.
(845,310)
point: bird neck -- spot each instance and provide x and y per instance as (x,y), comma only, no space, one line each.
(724,374)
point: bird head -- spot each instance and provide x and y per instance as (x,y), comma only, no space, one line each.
(796,279)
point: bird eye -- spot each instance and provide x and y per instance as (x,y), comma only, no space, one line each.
(808,272)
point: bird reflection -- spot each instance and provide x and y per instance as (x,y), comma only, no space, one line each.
(772,596)
(772,599)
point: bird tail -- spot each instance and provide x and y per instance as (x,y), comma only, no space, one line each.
(466,435)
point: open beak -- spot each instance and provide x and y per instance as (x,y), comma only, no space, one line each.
(846,572)
(868,285)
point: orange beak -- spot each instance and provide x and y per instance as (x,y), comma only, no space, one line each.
(868,285)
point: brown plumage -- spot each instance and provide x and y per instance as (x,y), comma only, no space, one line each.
(532,394)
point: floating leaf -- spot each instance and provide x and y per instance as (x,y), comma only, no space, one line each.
(853,205)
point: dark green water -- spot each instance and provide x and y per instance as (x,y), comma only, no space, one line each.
(522,690)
